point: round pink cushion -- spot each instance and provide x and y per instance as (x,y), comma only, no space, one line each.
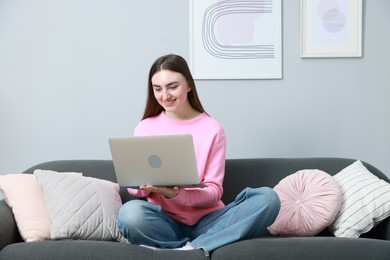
(310,200)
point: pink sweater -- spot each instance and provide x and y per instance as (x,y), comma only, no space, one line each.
(191,204)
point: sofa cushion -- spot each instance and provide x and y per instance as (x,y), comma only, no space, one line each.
(305,248)
(365,201)
(310,200)
(24,196)
(81,207)
(95,250)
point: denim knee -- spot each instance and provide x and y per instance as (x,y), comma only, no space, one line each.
(267,198)
(143,223)
(272,199)
(131,216)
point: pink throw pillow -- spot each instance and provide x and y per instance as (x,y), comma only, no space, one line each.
(24,196)
(310,201)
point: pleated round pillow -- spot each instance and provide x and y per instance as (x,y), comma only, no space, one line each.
(310,201)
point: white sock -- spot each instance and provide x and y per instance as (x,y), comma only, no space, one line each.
(187,246)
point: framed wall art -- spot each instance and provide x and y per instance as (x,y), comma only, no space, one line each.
(236,39)
(331,28)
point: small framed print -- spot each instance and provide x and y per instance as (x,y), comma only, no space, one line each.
(331,28)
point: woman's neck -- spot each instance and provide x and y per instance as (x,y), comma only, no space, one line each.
(189,113)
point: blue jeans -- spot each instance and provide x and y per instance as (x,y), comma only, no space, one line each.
(253,210)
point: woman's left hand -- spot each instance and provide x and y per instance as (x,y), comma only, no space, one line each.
(169,192)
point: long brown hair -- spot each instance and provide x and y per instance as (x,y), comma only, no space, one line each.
(177,64)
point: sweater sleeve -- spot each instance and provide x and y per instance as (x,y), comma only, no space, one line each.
(214,171)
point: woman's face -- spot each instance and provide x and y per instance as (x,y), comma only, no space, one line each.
(170,90)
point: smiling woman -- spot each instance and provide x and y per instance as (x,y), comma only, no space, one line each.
(174,217)
(170,72)
(171,91)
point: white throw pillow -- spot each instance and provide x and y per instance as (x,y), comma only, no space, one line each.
(365,201)
(81,207)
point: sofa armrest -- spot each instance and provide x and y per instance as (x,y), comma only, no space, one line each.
(8,230)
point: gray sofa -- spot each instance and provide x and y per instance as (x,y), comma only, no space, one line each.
(240,173)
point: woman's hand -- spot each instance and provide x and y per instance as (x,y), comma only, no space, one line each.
(169,192)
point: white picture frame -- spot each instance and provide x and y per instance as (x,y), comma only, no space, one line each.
(331,28)
(234,39)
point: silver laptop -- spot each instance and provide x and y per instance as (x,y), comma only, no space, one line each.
(166,160)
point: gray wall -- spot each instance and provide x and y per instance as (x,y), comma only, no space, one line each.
(73,73)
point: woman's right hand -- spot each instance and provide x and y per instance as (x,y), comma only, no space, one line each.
(169,192)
